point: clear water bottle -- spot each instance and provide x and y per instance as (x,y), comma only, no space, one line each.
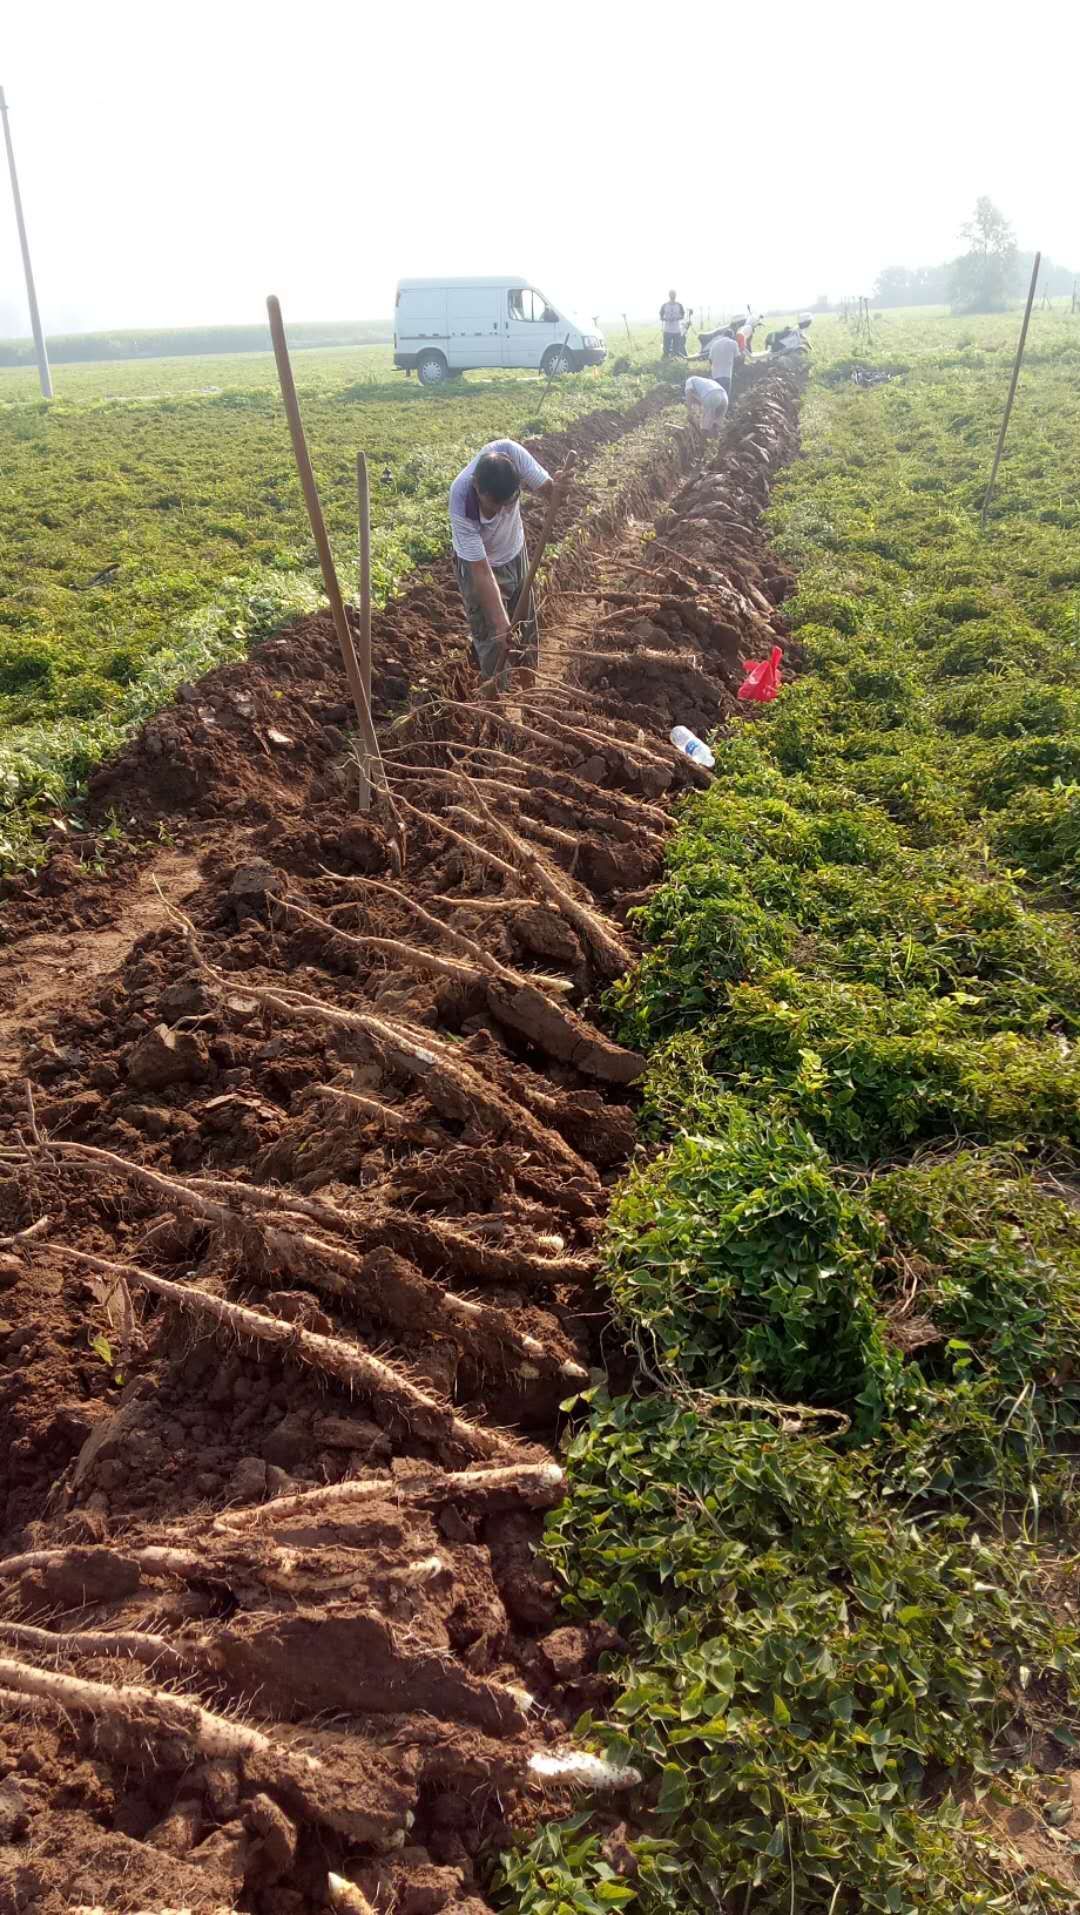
(688,742)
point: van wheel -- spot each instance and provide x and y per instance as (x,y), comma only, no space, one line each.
(556,360)
(432,369)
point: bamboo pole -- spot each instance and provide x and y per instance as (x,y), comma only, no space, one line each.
(363,499)
(1012,392)
(371,754)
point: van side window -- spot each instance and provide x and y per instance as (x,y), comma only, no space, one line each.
(525,304)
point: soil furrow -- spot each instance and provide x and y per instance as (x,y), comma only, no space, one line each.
(314,1169)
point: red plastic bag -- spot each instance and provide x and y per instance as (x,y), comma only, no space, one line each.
(762,682)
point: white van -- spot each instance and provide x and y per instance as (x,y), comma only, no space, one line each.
(443,326)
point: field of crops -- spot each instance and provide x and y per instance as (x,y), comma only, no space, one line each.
(151,525)
(691,1157)
(838,1542)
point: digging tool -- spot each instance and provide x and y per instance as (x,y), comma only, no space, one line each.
(520,607)
(372,757)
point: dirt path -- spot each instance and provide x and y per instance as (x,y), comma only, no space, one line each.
(44,973)
(314,1257)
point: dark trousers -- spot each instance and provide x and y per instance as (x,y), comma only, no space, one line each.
(673,345)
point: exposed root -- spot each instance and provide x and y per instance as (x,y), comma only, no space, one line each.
(612,956)
(204,1735)
(530,1485)
(591,1772)
(347,1363)
(69,1645)
(387,1118)
(346,1896)
(458,1090)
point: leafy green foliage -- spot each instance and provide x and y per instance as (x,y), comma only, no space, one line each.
(802,1660)
(862,947)
(741,1265)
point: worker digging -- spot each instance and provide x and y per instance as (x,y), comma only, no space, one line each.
(492,558)
(706,403)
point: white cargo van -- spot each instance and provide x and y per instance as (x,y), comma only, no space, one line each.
(443,326)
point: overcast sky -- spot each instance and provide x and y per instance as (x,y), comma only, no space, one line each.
(177,163)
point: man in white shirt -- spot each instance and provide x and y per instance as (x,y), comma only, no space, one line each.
(492,561)
(706,403)
(671,320)
(722,353)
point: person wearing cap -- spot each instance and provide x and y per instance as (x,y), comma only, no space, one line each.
(490,554)
(706,403)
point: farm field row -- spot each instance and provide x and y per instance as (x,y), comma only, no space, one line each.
(145,537)
(287,1513)
(836,1541)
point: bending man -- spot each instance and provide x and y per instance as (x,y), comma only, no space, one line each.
(706,403)
(492,562)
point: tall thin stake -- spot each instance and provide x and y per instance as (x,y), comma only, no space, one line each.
(326,561)
(1012,391)
(363,500)
(44,374)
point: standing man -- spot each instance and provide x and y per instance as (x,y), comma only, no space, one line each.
(492,562)
(722,353)
(671,319)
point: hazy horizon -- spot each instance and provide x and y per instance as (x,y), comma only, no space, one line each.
(173,176)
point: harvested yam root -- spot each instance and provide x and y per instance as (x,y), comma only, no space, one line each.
(170,1658)
(513,999)
(173,1731)
(345,1362)
(530,1485)
(384,1284)
(203,1736)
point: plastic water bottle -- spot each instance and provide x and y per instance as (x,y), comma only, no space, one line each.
(687,741)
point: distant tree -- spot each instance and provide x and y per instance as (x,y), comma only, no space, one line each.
(893,287)
(984,278)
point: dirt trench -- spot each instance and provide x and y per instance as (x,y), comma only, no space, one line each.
(302,1169)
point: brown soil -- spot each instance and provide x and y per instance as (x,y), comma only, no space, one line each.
(387,1133)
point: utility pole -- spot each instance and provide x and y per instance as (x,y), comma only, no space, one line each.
(31,296)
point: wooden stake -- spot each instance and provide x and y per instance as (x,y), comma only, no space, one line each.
(326,559)
(363,499)
(1012,391)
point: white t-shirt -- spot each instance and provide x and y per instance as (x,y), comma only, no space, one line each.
(711,397)
(721,354)
(705,390)
(672,315)
(501,538)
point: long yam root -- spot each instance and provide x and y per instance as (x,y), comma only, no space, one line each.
(71,1645)
(205,1734)
(534,1485)
(346,1362)
(393,1291)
